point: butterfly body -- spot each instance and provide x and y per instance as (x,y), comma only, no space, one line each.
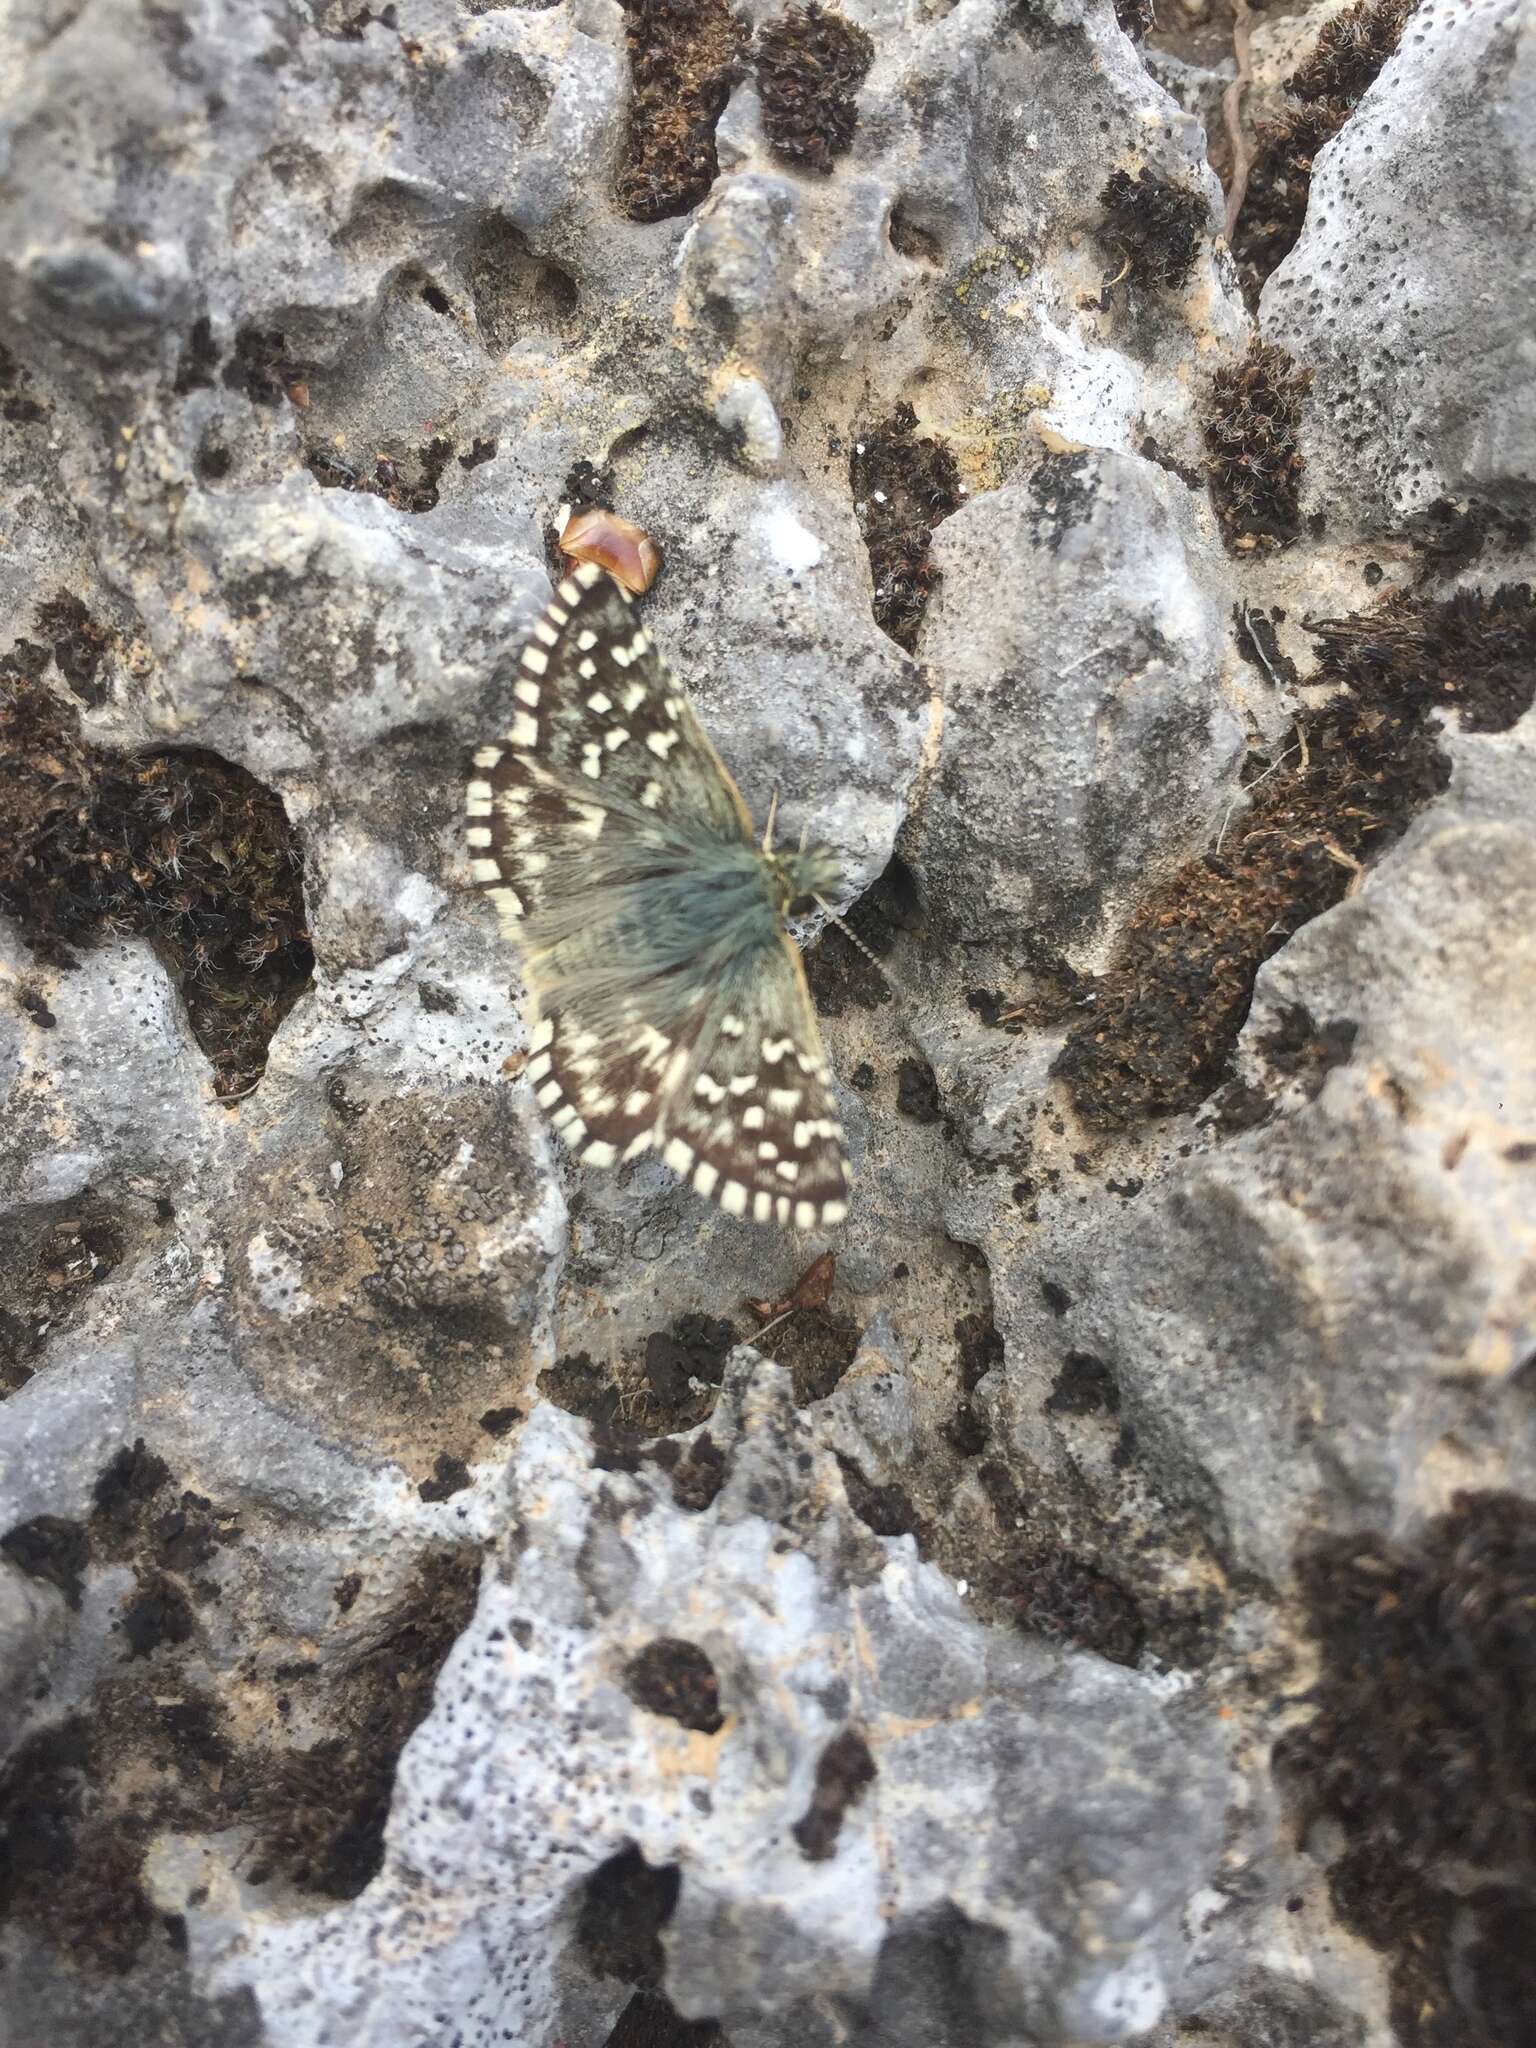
(669,1007)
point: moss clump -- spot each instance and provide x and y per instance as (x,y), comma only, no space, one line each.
(1348,55)
(1167,1013)
(810,65)
(181,848)
(903,484)
(320,1813)
(1475,653)
(1251,452)
(1325,89)
(1153,228)
(1420,1748)
(684,56)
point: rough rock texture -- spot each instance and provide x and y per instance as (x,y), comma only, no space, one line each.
(1096,1609)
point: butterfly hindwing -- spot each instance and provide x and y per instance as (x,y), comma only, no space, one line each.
(669,1008)
(750,1120)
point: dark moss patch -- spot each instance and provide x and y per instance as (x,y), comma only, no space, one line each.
(449,1476)
(844,1771)
(817,1346)
(1456,532)
(80,644)
(1475,653)
(157,1613)
(582,1388)
(51,1549)
(1137,17)
(262,367)
(18,405)
(1169,1009)
(1420,1748)
(810,65)
(1350,51)
(917,1092)
(588,483)
(499,1422)
(904,483)
(319,1813)
(1252,455)
(1324,91)
(675,1678)
(199,359)
(841,975)
(56,1867)
(1085,1385)
(49,1262)
(125,1488)
(1153,229)
(626,1904)
(885,1510)
(79,1802)
(184,849)
(699,1474)
(684,57)
(650,2020)
(410,483)
(694,1348)
(1065,1599)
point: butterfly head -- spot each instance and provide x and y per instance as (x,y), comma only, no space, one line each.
(798,878)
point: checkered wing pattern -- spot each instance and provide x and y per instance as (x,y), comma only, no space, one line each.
(670,1011)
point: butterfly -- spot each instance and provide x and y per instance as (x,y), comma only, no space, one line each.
(668,1006)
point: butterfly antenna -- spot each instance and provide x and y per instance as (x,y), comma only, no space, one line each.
(773,812)
(855,941)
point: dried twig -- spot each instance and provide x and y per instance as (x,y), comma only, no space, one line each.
(1232,117)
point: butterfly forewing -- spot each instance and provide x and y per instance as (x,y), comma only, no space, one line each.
(599,730)
(670,1013)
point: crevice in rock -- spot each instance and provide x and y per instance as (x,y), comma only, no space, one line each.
(650,2020)
(626,1904)
(842,977)
(515,291)
(184,849)
(1252,456)
(409,484)
(1167,1013)
(1419,1749)
(904,484)
(1324,90)
(319,1814)
(844,1772)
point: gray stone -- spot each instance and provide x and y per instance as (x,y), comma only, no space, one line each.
(309,323)
(1401,412)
